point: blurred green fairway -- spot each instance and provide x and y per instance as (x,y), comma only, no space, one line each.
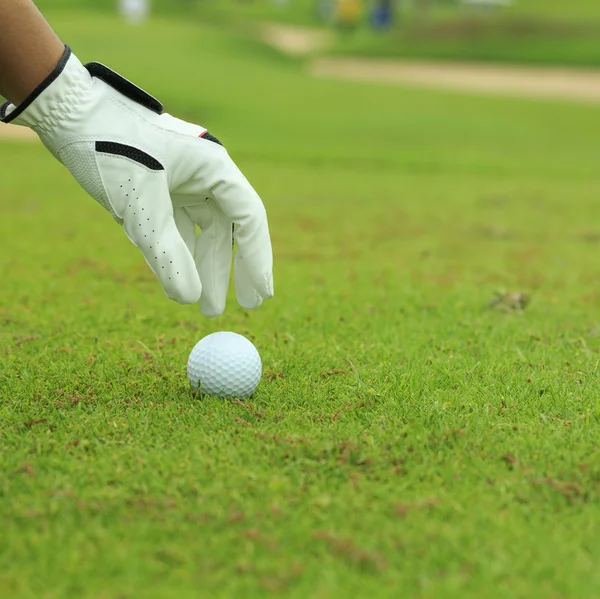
(540,32)
(406,439)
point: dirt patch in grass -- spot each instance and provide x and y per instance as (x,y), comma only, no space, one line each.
(295,41)
(581,85)
(565,84)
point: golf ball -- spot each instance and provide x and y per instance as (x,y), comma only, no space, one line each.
(224,364)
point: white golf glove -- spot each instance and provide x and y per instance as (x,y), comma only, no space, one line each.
(159,177)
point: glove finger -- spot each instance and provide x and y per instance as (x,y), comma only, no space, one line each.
(213,253)
(186,228)
(246,294)
(241,205)
(141,199)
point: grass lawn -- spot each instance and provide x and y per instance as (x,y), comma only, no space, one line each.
(542,32)
(539,32)
(406,440)
(508,39)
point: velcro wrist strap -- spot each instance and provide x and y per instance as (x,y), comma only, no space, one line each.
(124,86)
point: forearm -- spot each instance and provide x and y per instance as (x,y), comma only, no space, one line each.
(29,49)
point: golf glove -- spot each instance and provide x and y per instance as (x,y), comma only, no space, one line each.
(159,177)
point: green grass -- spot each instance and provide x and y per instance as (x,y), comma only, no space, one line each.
(540,32)
(297,11)
(306,10)
(574,10)
(529,31)
(406,440)
(500,39)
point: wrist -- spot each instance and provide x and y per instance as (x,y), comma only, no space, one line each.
(37,72)
(49,102)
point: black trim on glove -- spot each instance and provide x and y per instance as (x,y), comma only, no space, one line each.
(124,86)
(111,147)
(206,135)
(58,69)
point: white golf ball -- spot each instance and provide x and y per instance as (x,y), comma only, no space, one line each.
(224,364)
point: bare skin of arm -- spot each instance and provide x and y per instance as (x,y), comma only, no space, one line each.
(29,49)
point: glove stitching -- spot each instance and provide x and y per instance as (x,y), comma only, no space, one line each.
(152,122)
(216,214)
(214,245)
(95,137)
(59,112)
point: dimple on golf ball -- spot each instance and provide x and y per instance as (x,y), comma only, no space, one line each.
(224,364)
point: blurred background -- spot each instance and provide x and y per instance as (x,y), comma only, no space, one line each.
(314,102)
(535,31)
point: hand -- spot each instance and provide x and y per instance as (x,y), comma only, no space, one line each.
(159,177)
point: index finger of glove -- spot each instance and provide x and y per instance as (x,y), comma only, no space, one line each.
(148,221)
